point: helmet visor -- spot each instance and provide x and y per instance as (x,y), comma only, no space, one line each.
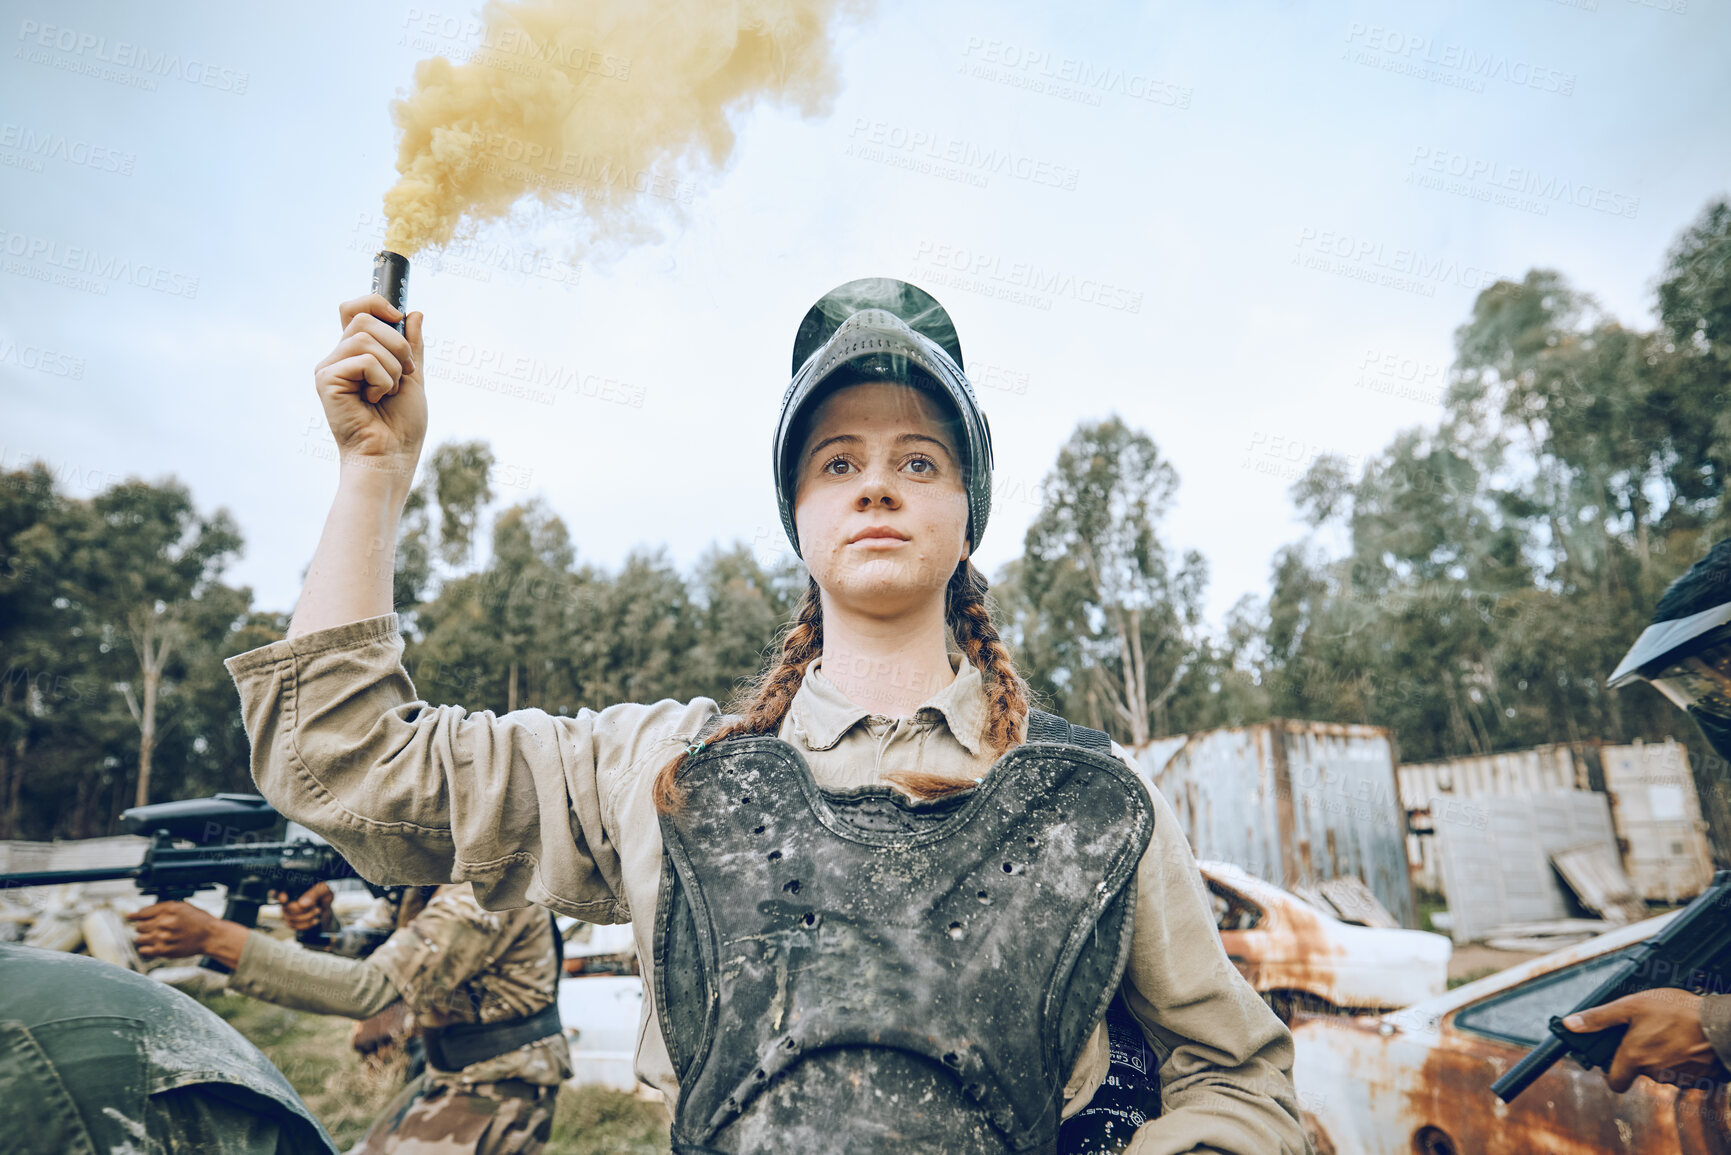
(1663,644)
(1700,680)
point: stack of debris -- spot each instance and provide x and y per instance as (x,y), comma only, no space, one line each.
(1349,900)
(67,918)
(1545,937)
(1597,880)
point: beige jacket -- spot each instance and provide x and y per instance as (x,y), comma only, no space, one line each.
(556,810)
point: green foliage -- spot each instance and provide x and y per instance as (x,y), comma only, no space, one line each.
(1497,563)
(87,587)
(99,599)
(1105,617)
(1502,561)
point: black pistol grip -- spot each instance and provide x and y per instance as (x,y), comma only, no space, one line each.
(1591,1049)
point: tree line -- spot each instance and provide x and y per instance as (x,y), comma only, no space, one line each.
(1498,561)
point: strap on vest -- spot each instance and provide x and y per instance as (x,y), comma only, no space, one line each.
(464,1044)
(1044,727)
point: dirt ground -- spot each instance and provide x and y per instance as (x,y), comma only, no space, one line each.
(1473,961)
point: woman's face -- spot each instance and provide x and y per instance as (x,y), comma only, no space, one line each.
(879,502)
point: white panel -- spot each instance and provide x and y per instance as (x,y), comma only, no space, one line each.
(1665,803)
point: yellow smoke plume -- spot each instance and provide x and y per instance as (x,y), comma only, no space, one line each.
(610,108)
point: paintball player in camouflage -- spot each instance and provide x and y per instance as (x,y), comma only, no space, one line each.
(1675,1036)
(481,986)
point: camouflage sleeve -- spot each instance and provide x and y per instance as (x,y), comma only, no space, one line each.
(447,944)
(364,935)
(290,976)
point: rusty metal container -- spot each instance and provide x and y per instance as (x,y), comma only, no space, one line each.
(1292,802)
(1661,837)
(1660,832)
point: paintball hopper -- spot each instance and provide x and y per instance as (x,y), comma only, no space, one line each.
(217,819)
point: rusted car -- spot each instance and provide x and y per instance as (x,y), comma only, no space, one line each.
(1300,958)
(592,949)
(1418,1080)
(601,1003)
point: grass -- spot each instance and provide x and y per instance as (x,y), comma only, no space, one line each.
(1428,904)
(346,1092)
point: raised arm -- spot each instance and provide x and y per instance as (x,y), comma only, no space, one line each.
(375,401)
(415,793)
(341,742)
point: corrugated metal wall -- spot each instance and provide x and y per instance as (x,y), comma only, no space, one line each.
(1495,855)
(73,853)
(1291,802)
(1667,857)
(1540,770)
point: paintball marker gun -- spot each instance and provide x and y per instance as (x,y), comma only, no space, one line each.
(219,856)
(1691,951)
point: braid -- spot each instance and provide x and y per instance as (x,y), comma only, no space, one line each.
(1007,695)
(760,707)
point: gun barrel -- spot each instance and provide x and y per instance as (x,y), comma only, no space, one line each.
(54,877)
(1535,1063)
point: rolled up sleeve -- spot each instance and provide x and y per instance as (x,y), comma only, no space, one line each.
(419,794)
(1226,1059)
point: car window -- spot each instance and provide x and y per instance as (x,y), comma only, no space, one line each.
(1232,911)
(1523,1013)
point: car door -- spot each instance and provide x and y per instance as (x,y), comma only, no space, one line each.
(1242,932)
(1568,1110)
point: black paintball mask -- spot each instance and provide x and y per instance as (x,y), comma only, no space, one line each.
(882,329)
(1686,653)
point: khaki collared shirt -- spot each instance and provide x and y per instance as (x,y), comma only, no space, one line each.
(557,810)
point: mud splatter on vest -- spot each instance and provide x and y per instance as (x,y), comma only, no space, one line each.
(855,972)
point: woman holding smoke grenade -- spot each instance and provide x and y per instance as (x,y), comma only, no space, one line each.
(886,905)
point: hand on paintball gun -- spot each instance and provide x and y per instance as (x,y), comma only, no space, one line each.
(1664,1041)
(181,930)
(371,386)
(308,912)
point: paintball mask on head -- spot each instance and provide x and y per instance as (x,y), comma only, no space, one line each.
(882,329)
(1686,653)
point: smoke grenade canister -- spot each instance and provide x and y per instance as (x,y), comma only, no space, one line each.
(391,281)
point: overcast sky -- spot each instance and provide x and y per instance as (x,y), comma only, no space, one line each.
(1256,227)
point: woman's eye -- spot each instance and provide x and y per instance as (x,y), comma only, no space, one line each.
(830,465)
(923,465)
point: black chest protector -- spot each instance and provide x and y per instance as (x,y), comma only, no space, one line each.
(860,973)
